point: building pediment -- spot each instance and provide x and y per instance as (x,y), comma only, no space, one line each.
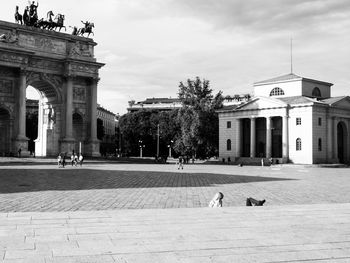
(262,103)
(343,103)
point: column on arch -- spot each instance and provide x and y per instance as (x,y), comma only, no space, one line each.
(238,137)
(69,108)
(285,135)
(21,121)
(93,106)
(252,137)
(268,137)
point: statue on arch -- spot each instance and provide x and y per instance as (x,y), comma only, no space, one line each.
(86,29)
(18,16)
(9,37)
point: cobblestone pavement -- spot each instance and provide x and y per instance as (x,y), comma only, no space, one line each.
(98,186)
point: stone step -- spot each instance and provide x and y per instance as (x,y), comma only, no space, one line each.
(296,233)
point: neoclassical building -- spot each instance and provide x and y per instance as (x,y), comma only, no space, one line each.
(290,119)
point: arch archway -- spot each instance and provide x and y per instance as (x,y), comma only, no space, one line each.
(342,139)
(47,125)
(65,80)
(5,132)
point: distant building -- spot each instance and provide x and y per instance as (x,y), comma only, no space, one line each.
(160,104)
(108,120)
(236,99)
(290,119)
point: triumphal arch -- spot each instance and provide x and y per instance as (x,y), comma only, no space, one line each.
(64,70)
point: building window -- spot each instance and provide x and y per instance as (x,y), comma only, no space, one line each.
(228,145)
(298,144)
(276,92)
(228,125)
(319,144)
(298,121)
(319,121)
(316,92)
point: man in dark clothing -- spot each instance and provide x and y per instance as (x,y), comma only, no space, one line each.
(253,202)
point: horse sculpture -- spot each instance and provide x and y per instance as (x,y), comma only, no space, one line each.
(18,16)
(59,23)
(87,29)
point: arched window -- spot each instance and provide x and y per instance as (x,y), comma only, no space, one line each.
(316,92)
(228,145)
(319,144)
(298,144)
(276,92)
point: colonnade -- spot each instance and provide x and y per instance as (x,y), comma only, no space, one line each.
(268,138)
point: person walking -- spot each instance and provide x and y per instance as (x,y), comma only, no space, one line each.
(181,163)
(59,160)
(81,158)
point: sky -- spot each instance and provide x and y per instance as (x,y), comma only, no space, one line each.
(150,46)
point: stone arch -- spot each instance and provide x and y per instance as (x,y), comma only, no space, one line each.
(64,80)
(342,139)
(48,124)
(5,131)
(49,86)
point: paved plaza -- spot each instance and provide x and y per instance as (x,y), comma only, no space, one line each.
(114,212)
(105,186)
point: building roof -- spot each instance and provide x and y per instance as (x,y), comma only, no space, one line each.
(289,77)
(229,107)
(332,100)
(299,100)
(159,100)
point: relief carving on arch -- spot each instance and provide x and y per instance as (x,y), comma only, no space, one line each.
(84,68)
(6,87)
(80,50)
(79,93)
(45,64)
(14,58)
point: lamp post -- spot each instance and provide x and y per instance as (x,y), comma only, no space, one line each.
(157,141)
(169,146)
(141,147)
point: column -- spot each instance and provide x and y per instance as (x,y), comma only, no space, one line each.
(69,108)
(22,106)
(268,137)
(329,139)
(238,137)
(93,115)
(252,137)
(285,138)
(335,139)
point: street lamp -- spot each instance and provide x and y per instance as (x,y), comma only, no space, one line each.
(141,147)
(169,146)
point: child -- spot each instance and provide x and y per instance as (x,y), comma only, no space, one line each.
(217,200)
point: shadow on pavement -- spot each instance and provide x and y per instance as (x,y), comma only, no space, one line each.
(30,180)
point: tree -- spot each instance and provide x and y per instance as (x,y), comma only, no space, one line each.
(198,119)
(142,126)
